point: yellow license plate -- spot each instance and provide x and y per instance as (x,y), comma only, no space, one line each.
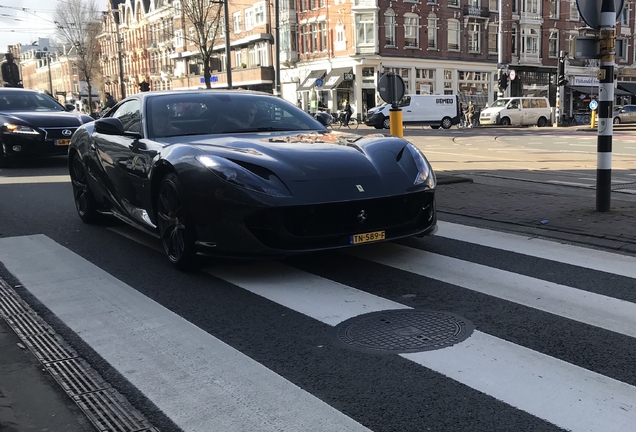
(63,142)
(367,237)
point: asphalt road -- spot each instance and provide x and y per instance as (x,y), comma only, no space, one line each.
(253,346)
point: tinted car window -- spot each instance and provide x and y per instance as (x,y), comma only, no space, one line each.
(130,115)
(27,101)
(543,103)
(218,113)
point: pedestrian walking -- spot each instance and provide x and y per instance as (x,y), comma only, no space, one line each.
(471,113)
(10,72)
(110,102)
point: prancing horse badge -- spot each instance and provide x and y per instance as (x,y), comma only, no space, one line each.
(360,188)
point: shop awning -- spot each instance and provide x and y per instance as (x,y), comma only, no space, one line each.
(594,90)
(335,77)
(310,81)
(628,86)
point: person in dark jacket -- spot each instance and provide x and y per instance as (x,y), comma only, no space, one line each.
(110,102)
(10,72)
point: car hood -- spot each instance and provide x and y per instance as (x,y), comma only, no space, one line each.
(490,111)
(47,119)
(330,165)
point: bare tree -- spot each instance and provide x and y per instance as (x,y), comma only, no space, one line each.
(78,25)
(205,17)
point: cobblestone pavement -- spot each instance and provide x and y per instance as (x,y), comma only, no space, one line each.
(544,212)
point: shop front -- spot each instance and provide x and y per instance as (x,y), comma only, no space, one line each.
(581,90)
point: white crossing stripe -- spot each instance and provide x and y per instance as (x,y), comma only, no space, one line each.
(583,306)
(35,179)
(622,265)
(566,395)
(184,371)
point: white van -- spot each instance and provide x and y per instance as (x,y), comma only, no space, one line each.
(519,111)
(425,110)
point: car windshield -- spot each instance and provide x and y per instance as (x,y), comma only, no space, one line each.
(219,113)
(500,103)
(27,101)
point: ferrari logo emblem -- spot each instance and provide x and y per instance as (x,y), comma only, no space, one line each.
(360,188)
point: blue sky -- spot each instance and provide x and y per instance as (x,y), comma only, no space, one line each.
(25,26)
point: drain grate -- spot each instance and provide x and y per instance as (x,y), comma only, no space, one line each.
(403,331)
(49,347)
(76,376)
(9,303)
(26,324)
(623,186)
(111,412)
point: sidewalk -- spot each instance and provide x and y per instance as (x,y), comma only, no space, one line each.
(552,212)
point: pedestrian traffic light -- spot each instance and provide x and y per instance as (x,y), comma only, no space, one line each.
(503,80)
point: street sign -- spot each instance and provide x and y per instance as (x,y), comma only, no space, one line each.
(585,47)
(590,11)
(593,105)
(391,87)
(512,74)
(319,82)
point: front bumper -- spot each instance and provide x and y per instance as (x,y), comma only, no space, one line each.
(32,145)
(375,120)
(490,119)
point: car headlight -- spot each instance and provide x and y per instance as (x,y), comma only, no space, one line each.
(240,176)
(20,129)
(425,172)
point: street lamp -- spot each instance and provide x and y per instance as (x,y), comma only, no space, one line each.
(119,58)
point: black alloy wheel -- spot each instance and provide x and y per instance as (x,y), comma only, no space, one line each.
(175,224)
(82,195)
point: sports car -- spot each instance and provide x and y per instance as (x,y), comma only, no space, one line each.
(35,124)
(240,173)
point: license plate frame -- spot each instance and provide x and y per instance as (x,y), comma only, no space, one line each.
(368,237)
(62,142)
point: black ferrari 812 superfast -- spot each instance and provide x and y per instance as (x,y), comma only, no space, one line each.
(241,173)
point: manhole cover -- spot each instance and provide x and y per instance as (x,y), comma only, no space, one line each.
(403,331)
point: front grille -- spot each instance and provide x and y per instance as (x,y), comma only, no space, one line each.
(56,133)
(323,224)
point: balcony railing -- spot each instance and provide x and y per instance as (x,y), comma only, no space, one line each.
(476,11)
(169,69)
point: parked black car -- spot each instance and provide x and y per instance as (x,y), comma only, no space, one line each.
(234,173)
(34,124)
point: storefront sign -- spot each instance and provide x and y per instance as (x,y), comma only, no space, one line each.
(348,77)
(585,81)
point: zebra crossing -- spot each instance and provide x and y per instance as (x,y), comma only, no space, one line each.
(250,347)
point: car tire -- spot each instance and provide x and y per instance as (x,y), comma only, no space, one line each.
(617,120)
(435,127)
(176,228)
(447,123)
(505,121)
(83,197)
(542,122)
(386,124)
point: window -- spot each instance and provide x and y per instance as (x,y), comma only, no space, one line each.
(130,116)
(191,36)
(474,36)
(553,46)
(453,35)
(365,30)
(513,41)
(473,3)
(178,38)
(515,7)
(249,19)
(236,19)
(341,41)
(262,56)
(389,27)
(625,16)
(411,30)
(574,11)
(493,34)
(432,31)
(531,6)
(314,37)
(177,9)
(322,30)
(554,9)
(531,45)
(74,70)
(493,5)
(259,14)
(454,3)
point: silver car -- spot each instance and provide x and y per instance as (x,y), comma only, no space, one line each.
(625,114)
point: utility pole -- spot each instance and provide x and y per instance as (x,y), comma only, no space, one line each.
(119,59)
(500,58)
(228,60)
(605,106)
(48,61)
(277,47)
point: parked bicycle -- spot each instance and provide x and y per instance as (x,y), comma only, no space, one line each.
(339,121)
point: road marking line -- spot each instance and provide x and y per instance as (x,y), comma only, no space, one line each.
(564,183)
(183,370)
(586,307)
(583,145)
(551,250)
(36,179)
(566,395)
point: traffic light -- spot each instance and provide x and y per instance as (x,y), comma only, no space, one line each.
(561,79)
(503,80)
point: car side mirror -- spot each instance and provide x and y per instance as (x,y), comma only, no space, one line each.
(69,107)
(109,126)
(623,111)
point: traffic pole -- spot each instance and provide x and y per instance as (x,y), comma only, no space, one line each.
(395,122)
(605,106)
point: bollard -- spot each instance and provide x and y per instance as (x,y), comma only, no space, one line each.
(592,119)
(395,119)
